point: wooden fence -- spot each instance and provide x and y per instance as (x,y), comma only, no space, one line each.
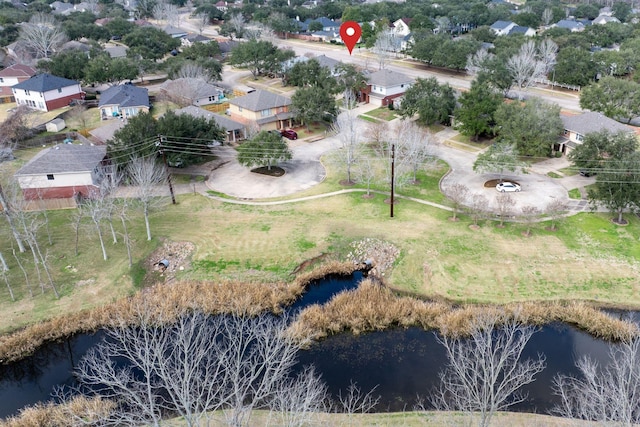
(217,108)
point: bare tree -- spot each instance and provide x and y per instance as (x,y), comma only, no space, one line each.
(377,132)
(24,271)
(529,216)
(418,147)
(556,210)
(160,10)
(95,210)
(42,34)
(173,366)
(15,128)
(237,24)
(608,395)
(123,214)
(477,61)
(365,172)
(525,66)
(3,271)
(355,401)
(297,400)
(547,50)
(458,194)
(347,130)
(547,16)
(485,371)
(146,175)
(9,213)
(505,206)
(386,43)
(188,88)
(477,208)
(201,22)
(172,14)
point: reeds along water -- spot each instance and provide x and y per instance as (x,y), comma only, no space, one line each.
(166,303)
(44,415)
(373,307)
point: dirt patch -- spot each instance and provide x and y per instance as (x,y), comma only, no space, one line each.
(177,253)
(274,171)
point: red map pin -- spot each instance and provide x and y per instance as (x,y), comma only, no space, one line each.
(350,33)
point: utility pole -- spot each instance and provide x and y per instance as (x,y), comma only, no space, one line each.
(166,165)
(393,177)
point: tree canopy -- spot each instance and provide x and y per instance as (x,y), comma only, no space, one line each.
(264,149)
(615,98)
(532,126)
(149,43)
(433,102)
(185,138)
(500,158)
(312,104)
(259,57)
(474,117)
(70,64)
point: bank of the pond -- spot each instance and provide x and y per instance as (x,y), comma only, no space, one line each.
(168,301)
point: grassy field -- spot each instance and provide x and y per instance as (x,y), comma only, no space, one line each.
(588,258)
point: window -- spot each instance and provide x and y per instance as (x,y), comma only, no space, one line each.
(26,92)
(401,86)
(50,177)
(1,80)
(240,109)
(59,90)
(265,113)
(565,132)
(579,137)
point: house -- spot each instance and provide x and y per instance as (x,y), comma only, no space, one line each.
(578,126)
(605,19)
(63,171)
(573,26)
(192,91)
(175,32)
(262,108)
(236,131)
(60,8)
(527,31)
(328,25)
(222,6)
(384,86)
(502,28)
(329,63)
(123,101)
(116,50)
(47,92)
(11,76)
(401,27)
(192,38)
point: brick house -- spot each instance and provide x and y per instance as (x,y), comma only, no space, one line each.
(384,86)
(62,172)
(46,92)
(576,127)
(264,109)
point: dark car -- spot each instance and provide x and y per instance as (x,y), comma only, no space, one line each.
(586,173)
(288,133)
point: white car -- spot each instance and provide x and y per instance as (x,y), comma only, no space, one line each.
(506,186)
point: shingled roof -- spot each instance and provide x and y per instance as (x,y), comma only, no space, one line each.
(387,78)
(591,121)
(18,70)
(126,95)
(44,83)
(65,158)
(260,100)
(221,121)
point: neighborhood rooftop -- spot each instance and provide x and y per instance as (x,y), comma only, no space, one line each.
(388,78)
(222,121)
(590,122)
(126,95)
(44,83)
(260,100)
(65,158)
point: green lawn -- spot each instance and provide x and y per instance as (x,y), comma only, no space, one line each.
(588,258)
(383,113)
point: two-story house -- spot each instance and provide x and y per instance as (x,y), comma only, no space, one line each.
(11,76)
(384,86)
(576,127)
(46,92)
(266,110)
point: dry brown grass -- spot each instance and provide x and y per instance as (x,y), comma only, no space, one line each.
(52,415)
(374,307)
(168,302)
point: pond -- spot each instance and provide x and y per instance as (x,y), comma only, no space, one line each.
(402,363)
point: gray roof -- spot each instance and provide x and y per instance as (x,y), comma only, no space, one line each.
(569,24)
(260,100)
(174,31)
(126,95)
(590,122)
(327,62)
(387,78)
(519,30)
(222,121)
(44,83)
(65,158)
(194,38)
(501,25)
(116,51)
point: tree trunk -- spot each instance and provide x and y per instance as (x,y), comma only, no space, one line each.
(7,213)
(104,250)
(26,276)
(146,221)
(4,275)
(3,263)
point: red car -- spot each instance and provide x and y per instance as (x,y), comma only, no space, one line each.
(289,133)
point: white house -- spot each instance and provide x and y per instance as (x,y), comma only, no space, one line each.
(502,28)
(46,92)
(605,19)
(384,86)
(401,27)
(62,172)
(11,76)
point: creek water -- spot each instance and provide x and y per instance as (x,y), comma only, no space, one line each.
(401,363)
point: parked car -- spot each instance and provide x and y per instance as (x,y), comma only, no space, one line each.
(506,186)
(289,133)
(586,173)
